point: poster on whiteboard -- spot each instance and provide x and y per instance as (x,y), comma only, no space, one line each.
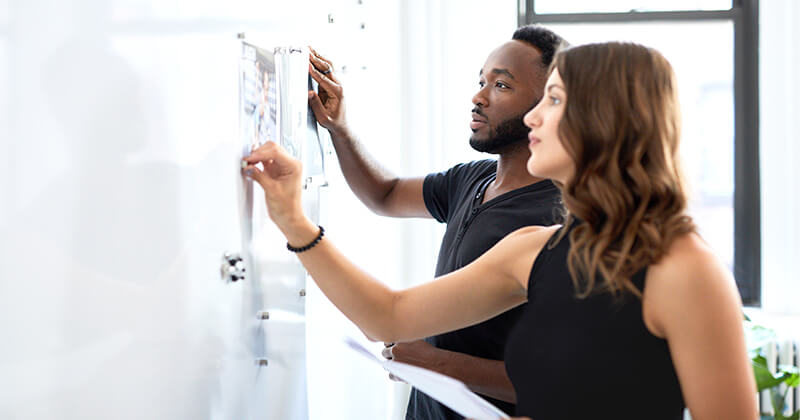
(274,105)
(259,97)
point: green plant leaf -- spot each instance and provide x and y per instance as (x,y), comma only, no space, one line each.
(790,374)
(795,416)
(764,378)
(757,336)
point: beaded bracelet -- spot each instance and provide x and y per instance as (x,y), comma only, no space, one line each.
(309,246)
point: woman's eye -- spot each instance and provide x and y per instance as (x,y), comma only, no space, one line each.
(555,101)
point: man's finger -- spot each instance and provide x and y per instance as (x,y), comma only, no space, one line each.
(320,64)
(320,57)
(324,66)
(323,80)
(316,106)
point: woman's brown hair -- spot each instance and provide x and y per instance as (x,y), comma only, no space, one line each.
(621,126)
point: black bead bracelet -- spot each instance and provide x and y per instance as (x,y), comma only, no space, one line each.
(309,246)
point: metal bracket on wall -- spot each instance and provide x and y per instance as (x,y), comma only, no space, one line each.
(232,268)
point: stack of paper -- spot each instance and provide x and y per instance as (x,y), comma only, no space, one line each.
(450,392)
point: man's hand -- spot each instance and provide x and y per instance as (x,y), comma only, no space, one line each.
(484,376)
(417,353)
(328,106)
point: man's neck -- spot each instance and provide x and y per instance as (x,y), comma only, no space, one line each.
(512,173)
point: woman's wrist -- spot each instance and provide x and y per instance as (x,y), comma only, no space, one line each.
(299,230)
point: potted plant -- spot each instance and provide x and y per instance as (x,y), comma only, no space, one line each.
(757,337)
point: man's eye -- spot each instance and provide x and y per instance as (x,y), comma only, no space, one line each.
(501,85)
(481,83)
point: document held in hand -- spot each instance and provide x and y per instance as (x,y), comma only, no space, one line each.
(448,391)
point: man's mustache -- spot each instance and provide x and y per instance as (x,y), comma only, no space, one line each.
(478,111)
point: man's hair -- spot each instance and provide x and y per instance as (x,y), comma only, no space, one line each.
(545,40)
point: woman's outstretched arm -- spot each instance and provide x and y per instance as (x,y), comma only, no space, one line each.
(489,286)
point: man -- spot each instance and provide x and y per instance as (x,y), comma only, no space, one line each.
(480,201)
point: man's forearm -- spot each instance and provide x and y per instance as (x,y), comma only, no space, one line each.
(483,376)
(368,179)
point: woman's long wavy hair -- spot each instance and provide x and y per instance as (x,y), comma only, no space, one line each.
(621,126)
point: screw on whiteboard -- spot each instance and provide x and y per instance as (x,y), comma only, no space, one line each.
(263,315)
(240,35)
(363,25)
(302,292)
(262,362)
(330,17)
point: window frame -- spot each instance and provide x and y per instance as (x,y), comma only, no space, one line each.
(746,179)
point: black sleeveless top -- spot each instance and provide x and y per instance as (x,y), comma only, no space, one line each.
(590,358)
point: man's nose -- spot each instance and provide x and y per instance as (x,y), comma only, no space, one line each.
(480,99)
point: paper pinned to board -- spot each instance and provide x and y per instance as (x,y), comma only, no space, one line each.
(448,391)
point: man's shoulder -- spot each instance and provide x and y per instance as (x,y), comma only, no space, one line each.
(489,165)
(473,169)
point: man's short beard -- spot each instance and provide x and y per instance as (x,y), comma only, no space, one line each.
(507,135)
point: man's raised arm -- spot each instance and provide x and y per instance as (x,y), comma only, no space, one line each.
(379,189)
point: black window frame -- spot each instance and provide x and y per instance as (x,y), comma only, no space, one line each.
(747,195)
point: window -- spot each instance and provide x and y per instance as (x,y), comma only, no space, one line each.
(712,45)
(592,6)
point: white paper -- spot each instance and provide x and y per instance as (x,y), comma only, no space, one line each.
(448,391)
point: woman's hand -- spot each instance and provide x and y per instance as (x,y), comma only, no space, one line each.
(281,181)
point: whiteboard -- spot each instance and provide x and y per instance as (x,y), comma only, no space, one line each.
(112,301)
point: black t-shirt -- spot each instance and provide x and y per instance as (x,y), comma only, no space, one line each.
(454,197)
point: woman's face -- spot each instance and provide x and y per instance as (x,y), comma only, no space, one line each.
(548,158)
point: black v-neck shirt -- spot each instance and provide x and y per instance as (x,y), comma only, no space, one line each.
(454,197)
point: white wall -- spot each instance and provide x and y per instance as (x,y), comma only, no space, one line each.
(780,154)
(118,196)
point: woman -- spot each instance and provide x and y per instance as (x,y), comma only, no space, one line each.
(632,315)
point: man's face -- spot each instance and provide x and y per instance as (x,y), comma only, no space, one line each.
(511,83)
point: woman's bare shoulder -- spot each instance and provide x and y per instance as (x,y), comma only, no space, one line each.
(517,251)
(689,281)
(529,238)
(690,259)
